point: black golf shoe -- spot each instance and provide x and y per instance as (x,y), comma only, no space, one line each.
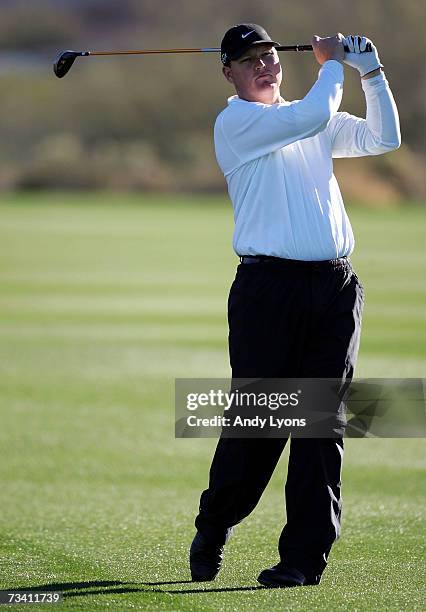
(281,575)
(205,557)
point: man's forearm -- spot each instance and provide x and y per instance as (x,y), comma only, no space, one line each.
(382,114)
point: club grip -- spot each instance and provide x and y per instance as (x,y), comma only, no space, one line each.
(309,48)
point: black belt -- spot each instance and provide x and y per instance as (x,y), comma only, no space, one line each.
(256,259)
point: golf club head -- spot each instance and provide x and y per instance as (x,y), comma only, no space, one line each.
(63,62)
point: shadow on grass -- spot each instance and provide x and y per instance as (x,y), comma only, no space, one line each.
(102,587)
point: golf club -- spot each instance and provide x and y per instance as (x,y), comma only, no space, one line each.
(65,59)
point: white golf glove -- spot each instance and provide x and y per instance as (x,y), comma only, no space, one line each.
(359,57)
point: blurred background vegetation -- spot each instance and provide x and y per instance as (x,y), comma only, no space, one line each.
(136,124)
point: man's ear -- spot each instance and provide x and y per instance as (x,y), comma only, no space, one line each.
(227,72)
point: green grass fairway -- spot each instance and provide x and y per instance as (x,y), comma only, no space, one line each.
(104,300)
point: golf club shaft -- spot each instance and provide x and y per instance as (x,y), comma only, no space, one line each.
(194,50)
(65,59)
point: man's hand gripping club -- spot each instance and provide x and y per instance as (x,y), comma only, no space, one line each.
(359,56)
(329,48)
(355,51)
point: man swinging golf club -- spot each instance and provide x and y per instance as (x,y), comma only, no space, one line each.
(295,306)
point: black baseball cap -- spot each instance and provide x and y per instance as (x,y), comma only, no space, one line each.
(241,37)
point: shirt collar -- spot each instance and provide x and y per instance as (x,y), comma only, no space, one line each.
(234,99)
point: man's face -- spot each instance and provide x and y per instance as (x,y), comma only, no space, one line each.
(256,75)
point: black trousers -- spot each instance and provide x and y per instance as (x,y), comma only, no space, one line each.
(287,320)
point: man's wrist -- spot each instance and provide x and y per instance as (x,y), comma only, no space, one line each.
(372,74)
(332,60)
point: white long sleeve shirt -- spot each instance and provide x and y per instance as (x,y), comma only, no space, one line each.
(277,161)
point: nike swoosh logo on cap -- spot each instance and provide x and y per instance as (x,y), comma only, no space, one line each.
(248,34)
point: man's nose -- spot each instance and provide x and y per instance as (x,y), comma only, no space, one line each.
(259,63)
